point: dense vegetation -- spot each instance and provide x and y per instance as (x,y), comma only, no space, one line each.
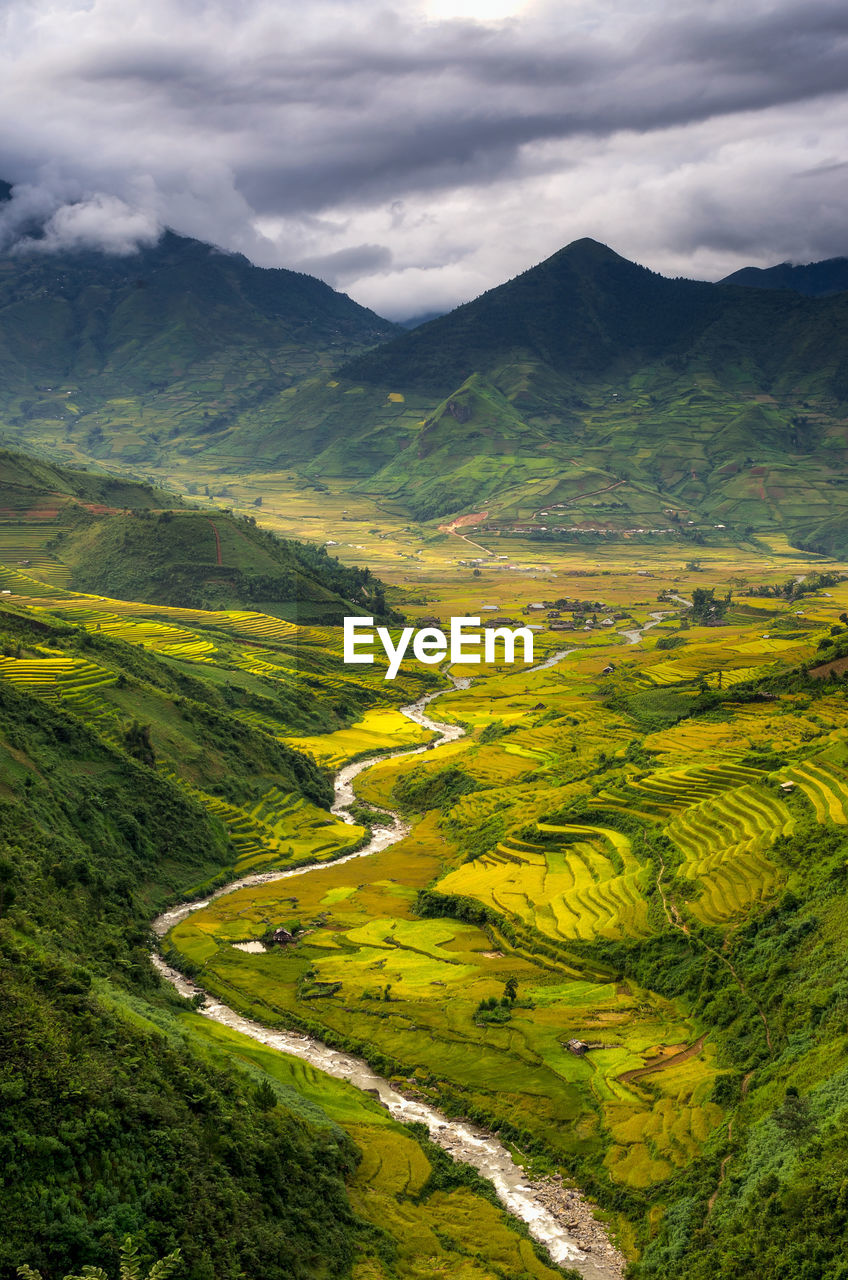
(111,1123)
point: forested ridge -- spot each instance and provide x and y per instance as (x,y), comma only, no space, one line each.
(112,1122)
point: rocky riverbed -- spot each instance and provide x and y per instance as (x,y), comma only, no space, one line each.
(577,1214)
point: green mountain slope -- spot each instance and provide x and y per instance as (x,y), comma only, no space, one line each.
(711,403)
(176,337)
(209,561)
(583,311)
(124,538)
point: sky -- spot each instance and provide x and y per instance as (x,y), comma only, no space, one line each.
(415,154)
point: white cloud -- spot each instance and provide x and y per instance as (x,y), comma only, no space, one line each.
(97,222)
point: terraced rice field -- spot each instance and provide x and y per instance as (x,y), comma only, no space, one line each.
(383,730)
(667,673)
(74,680)
(687,739)
(22,583)
(666,791)
(162,637)
(648,1150)
(589,885)
(725,842)
(278,828)
(23,546)
(825,783)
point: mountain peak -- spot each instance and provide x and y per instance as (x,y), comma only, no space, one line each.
(580,311)
(590,249)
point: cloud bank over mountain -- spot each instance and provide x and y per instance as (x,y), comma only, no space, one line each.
(414,159)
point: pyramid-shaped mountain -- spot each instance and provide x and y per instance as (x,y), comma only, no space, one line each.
(581,311)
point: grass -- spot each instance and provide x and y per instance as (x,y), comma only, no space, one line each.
(278,828)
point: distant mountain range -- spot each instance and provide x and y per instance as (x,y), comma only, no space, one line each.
(586,394)
(815,279)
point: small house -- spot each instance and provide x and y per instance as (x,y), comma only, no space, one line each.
(577,1047)
(282,938)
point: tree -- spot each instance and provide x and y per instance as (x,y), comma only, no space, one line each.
(137,743)
(793,1116)
(130,1267)
(511,988)
(705,607)
(265,1097)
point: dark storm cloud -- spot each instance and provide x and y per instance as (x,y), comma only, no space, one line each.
(289,131)
(347,264)
(387,106)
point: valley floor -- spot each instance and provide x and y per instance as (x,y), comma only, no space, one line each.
(613,933)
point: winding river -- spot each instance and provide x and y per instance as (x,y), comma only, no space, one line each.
(462,1140)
